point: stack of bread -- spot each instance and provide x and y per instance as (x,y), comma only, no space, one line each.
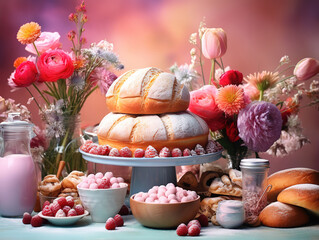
(294,197)
(148,107)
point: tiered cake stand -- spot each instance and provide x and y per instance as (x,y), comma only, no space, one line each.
(149,172)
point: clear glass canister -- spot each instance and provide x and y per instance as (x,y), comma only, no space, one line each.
(255,172)
(18,182)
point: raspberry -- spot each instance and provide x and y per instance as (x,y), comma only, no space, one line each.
(186,152)
(139,153)
(46,203)
(46,211)
(86,146)
(88,142)
(70,201)
(26,218)
(124,210)
(199,150)
(36,221)
(106,149)
(165,152)
(72,213)
(194,222)
(94,151)
(114,152)
(61,201)
(118,220)
(176,152)
(182,230)
(194,230)
(101,150)
(110,224)
(150,152)
(66,209)
(126,152)
(79,209)
(60,213)
(203,220)
(104,183)
(213,146)
(55,207)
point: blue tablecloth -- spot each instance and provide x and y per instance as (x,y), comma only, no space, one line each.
(13,228)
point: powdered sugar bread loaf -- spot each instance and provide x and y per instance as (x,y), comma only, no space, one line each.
(302,195)
(147,91)
(181,130)
(282,215)
(288,177)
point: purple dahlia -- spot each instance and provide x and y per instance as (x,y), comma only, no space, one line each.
(259,125)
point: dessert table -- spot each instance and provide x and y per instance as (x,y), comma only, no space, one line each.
(13,228)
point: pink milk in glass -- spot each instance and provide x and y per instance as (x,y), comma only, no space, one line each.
(18,184)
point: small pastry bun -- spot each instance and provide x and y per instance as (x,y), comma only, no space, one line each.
(281,215)
(302,195)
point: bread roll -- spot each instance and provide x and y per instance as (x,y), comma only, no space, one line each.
(302,195)
(181,130)
(147,91)
(288,177)
(283,215)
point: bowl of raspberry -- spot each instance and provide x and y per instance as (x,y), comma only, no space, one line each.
(102,195)
(164,206)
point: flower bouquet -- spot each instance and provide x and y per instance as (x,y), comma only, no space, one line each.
(256,113)
(63,80)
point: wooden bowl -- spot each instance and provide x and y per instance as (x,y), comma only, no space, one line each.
(164,215)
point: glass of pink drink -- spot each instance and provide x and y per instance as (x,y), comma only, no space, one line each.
(18,183)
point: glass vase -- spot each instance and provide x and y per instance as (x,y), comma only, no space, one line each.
(65,147)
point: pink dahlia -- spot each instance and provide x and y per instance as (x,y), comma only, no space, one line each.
(103,78)
(259,125)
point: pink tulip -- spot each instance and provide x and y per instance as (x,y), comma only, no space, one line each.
(306,69)
(214,43)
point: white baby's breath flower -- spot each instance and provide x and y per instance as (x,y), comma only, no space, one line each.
(193,51)
(284,60)
(30,100)
(193,38)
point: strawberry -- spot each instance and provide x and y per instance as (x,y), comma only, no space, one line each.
(182,230)
(118,220)
(203,220)
(165,152)
(60,213)
(26,218)
(70,201)
(114,152)
(139,153)
(72,213)
(186,152)
(194,230)
(110,224)
(46,203)
(55,207)
(176,152)
(36,221)
(61,201)
(124,210)
(46,211)
(79,209)
(126,152)
(150,152)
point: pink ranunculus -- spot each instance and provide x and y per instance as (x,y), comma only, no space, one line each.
(214,43)
(25,74)
(306,69)
(54,65)
(46,41)
(203,104)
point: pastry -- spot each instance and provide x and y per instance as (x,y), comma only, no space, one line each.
(288,177)
(236,177)
(147,91)
(173,130)
(224,186)
(50,186)
(69,192)
(302,195)
(283,215)
(72,180)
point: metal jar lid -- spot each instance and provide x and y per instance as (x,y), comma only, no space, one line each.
(254,163)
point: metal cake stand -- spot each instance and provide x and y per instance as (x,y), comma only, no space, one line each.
(149,172)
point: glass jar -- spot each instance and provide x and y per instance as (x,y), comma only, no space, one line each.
(230,213)
(18,181)
(254,173)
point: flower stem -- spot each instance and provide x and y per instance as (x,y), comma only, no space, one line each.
(212,72)
(261,95)
(34,99)
(221,61)
(44,98)
(36,49)
(201,62)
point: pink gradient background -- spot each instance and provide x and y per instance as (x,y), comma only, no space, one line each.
(155,33)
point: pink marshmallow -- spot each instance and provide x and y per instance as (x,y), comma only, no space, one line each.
(152,191)
(99,175)
(173,201)
(149,200)
(153,195)
(113,180)
(122,184)
(91,180)
(168,185)
(115,185)
(91,176)
(120,180)
(185,199)
(163,200)
(145,195)
(93,186)
(84,185)
(171,196)
(170,191)
(160,194)
(108,175)
(98,180)
(139,199)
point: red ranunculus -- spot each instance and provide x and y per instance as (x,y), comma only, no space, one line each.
(54,65)
(232,132)
(202,103)
(25,74)
(231,77)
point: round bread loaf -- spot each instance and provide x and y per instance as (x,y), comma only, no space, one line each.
(181,130)
(147,91)
(288,177)
(302,195)
(283,215)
